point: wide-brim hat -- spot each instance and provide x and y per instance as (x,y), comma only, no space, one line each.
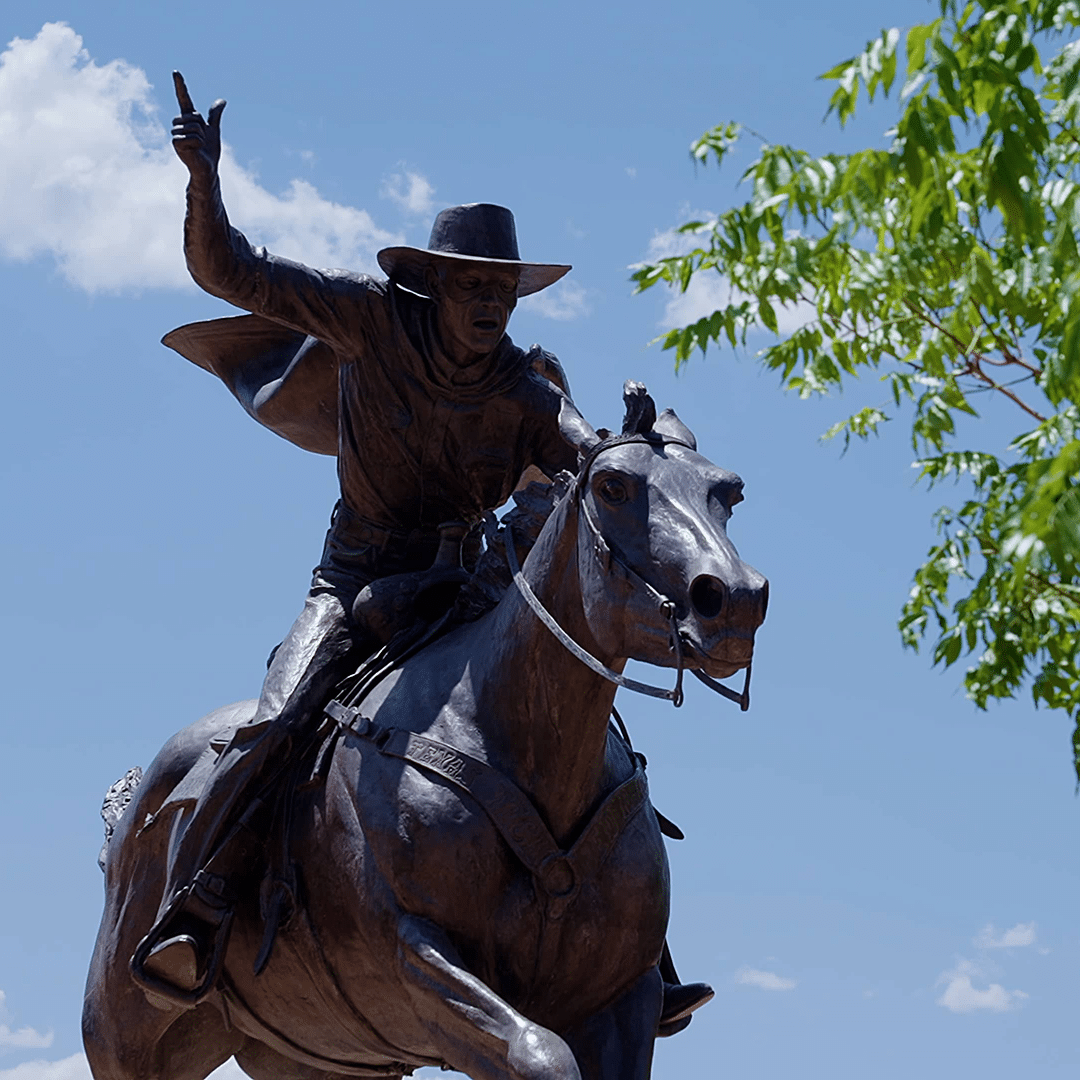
(477,233)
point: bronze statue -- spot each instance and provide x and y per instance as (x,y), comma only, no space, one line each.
(475,842)
(433,413)
(478,880)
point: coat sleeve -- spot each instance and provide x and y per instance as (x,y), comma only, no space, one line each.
(325,304)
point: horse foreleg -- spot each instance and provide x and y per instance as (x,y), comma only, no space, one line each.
(617,1043)
(471,1027)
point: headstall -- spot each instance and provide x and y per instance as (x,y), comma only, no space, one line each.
(606,556)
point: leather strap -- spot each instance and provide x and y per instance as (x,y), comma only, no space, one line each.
(675,695)
(559,874)
(503,801)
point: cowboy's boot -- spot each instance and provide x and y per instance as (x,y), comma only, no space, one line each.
(680,999)
(181,957)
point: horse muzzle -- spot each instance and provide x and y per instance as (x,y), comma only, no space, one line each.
(722,619)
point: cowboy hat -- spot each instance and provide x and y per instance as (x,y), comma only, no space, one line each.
(477,233)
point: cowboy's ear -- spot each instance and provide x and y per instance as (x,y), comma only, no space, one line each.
(575,429)
(640,409)
(432,282)
(668,424)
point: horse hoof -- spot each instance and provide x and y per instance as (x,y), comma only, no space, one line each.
(539,1054)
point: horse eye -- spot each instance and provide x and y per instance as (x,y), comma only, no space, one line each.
(612,490)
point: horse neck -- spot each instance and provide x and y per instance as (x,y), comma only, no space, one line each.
(552,711)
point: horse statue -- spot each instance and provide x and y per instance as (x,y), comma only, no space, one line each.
(478,878)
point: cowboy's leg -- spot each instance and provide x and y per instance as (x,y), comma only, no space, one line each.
(680,999)
(314,656)
(311,660)
(617,1042)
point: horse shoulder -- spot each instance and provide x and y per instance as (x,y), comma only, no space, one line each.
(428,838)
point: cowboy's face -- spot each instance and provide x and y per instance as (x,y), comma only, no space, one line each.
(473,305)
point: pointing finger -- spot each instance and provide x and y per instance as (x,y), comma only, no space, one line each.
(213,118)
(182,96)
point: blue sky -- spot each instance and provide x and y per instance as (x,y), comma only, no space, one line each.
(878,880)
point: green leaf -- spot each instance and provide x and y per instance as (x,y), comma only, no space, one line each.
(948,262)
(915,46)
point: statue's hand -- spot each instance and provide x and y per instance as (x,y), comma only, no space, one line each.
(197,142)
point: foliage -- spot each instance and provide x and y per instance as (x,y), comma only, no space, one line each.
(947,263)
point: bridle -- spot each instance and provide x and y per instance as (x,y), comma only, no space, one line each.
(606,556)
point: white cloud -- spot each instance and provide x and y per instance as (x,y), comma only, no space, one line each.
(563,301)
(961,996)
(1017,937)
(763,980)
(229,1071)
(24,1038)
(90,178)
(631,171)
(411,191)
(76,1067)
(670,242)
(706,292)
(70,1068)
(710,290)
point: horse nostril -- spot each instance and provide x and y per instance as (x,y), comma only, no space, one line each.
(707,594)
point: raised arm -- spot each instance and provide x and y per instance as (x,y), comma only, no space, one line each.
(224,263)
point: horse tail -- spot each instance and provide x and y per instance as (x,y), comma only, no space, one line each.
(117,800)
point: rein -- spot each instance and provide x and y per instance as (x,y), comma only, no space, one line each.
(675,695)
(606,556)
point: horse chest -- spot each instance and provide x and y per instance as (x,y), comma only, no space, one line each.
(446,861)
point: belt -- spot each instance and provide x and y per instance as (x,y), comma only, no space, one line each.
(348,525)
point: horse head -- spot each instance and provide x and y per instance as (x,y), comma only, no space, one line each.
(654,559)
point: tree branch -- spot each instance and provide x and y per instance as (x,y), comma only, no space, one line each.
(1010,357)
(972,367)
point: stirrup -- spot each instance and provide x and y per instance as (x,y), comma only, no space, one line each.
(156,939)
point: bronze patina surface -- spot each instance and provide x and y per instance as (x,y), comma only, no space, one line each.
(423,844)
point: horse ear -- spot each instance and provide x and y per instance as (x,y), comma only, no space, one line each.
(670,425)
(640,409)
(575,429)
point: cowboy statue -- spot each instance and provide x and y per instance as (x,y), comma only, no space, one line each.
(433,414)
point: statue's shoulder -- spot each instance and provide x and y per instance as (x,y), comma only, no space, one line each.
(367,281)
(351,281)
(547,366)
